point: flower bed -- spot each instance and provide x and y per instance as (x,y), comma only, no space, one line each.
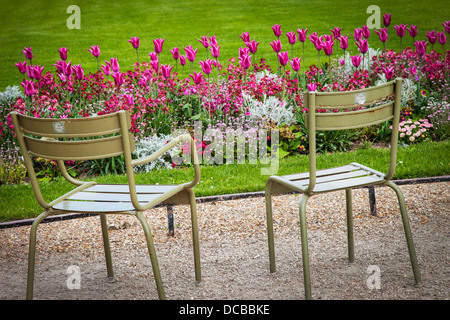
(243,93)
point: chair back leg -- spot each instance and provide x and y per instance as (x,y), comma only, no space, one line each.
(269,221)
(304,240)
(109,266)
(193,205)
(351,246)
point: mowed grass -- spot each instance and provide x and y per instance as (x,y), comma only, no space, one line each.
(422,160)
(109,24)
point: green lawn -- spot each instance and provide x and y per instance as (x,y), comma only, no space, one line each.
(109,24)
(421,160)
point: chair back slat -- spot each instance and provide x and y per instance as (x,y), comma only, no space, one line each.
(353,119)
(78,127)
(77,150)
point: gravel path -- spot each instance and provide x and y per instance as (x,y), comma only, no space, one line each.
(234,254)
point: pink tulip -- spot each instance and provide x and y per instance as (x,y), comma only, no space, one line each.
(95,50)
(412,31)
(129,99)
(363,46)
(245,37)
(118,78)
(421,47)
(328,47)
(343,40)
(311,87)
(432,37)
(206,66)
(28,87)
(63,53)
(387,19)
(365,32)
(292,37)
(166,69)
(175,53)
(213,41)
(383,36)
(158,45)
(276,30)
(182,60)
(245,61)
(64,67)
(400,29)
(155,64)
(276,45)
(388,72)
(356,61)
(204,41)
(36,72)
(153,56)
(446,25)
(79,72)
(190,53)
(295,64)
(318,44)
(313,37)
(252,46)
(134,42)
(442,38)
(28,53)
(106,69)
(215,51)
(22,66)
(336,32)
(357,34)
(197,77)
(114,65)
(244,52)
(283,58)
(302,34)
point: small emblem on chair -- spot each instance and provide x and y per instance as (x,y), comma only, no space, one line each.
(360,98)
(59,127)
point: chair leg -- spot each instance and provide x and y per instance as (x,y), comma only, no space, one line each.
(152,253)
(32,253)
(269,219)
(304,240)
(407,230)
(107,247)
(351,246)
(193,205)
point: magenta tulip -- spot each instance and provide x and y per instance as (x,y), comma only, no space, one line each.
(343,40)
(412,31)
(197,77)
(155,64)
(357,34)
(204,41)
(37,72)
(276,45)
(153,56)
(244,52)
(302,34)
(22,66)
(363,46)
(383,36)
(79,72)
(213,41)
(252,46)
(28,53)
(206,66)
(245,37)
(245,61)
(387,19)
(183,60)
(432,37)
(276,30)
(388,72)
(295,64)
(365,31)
(400,29)
(356,61)
(95,50)
(336,32)
(421,47)
(311,87)
(175,53)
(190,53)
(114,65)
(446,25)
(106,69)
(442,39)
(28,87)
(215,51)
(158,45)
(328,47)
(292,37)
(63,53)
(283,58)
(134,42)
(118,78)
(166,69)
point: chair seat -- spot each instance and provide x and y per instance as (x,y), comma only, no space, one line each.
(113,197)
(338,178)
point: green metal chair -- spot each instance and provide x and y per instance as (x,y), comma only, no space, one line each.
(95,138)
(359,108)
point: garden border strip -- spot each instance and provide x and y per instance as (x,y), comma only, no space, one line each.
(68,216)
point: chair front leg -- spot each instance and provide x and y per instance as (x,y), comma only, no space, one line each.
(350,240)
(193,205)
(107,247)
(269,220)
(305,254)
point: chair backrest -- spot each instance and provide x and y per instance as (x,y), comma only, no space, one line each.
(350,110)
(72,139)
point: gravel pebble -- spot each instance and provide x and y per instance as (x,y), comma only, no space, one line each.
(234,253)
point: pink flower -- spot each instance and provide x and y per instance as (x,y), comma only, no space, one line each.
(365,32)
(134,42)
(431,36)
(357,34)
(175,53)
(190,53)
(421,47)
(106,69)
(153,56)
(158,45)
(95,50)
(311,87)
(276,45)
(28,53)
(400,29)
(446,25)
(441,37)
(204,41)
(22,66)
(292,37)
(114,65)
(118,78)
(66,68)
(302,34)
(318,44)
(213,41)
(388,72)
(155,64)
(244,52)
(356,61)
(283,58)
(197,77)
(206,66)
(412,31)
(129,99)
(166,69)
(245,61)
(215,51)
(336,32)
(276,30)
(252,46)
(245,37)
(63,53)
(343,40)
(79,72)
(28,87)
(387,19)
(182,60)
(363,46)
(328,47)
(295,64)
